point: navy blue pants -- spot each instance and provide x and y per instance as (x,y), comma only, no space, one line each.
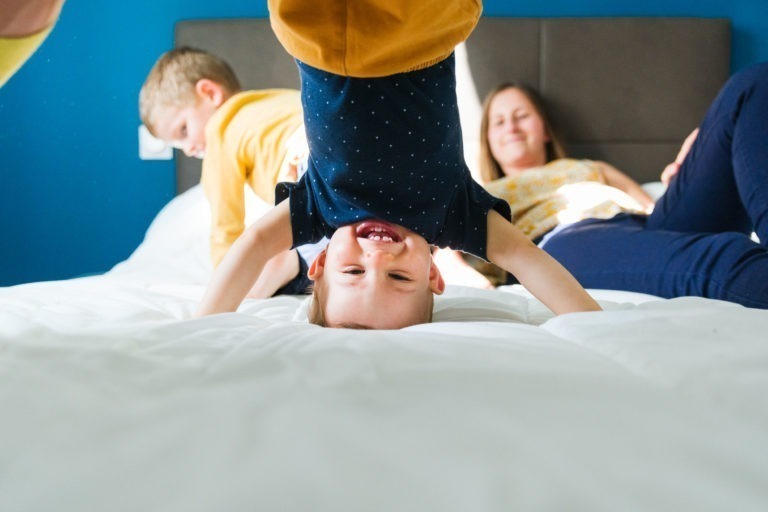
(696,241)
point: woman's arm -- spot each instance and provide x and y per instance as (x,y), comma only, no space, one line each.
(617,179)
(245,261)
(541,274)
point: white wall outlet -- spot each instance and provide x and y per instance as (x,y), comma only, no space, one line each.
(151,148)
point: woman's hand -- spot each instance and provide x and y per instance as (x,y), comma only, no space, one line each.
(673,168)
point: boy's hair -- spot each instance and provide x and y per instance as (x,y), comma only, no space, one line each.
(171,82)
(316,312)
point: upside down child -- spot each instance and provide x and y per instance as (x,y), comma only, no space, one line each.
(386,176)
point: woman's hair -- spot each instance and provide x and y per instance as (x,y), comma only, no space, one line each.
(489,167)
(172,80)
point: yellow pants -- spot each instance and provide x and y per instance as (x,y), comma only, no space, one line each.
(370,38)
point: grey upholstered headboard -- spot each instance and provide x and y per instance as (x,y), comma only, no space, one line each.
(623,90)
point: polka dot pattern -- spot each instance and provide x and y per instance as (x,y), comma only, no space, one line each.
(388,148)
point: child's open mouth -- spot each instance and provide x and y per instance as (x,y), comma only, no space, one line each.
(378,231)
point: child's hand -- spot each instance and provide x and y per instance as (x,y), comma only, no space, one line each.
(244,262)
(297,152)
(536,270)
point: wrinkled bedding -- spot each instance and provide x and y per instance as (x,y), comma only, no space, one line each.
(112,398)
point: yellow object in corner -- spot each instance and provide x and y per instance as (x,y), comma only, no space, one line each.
(14,52)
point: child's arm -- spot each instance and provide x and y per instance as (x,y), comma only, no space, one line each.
(617,179)
(277,272)
(541,274)
(244,262)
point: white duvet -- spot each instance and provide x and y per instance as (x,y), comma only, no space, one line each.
(113,400)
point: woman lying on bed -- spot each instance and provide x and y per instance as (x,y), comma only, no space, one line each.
(593,220)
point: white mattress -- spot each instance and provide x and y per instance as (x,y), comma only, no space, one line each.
(112,399)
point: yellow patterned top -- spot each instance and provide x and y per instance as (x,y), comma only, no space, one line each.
(562,191)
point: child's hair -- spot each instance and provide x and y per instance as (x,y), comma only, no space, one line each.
(316,313)
(171,82)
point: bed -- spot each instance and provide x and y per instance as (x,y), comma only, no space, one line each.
(112,398)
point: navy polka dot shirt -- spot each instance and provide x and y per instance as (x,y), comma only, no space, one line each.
(387,148)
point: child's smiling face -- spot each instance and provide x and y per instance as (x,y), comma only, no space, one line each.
(376,275)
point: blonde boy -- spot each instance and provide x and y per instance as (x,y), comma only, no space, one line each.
(193,100)
(386,176)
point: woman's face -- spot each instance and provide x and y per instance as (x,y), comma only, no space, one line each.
(516,133)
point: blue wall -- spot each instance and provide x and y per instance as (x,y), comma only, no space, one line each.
(74,196)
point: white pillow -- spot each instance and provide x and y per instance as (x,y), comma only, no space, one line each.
(176,245)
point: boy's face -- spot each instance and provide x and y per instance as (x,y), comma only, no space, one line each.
(376,275)
(184,127)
